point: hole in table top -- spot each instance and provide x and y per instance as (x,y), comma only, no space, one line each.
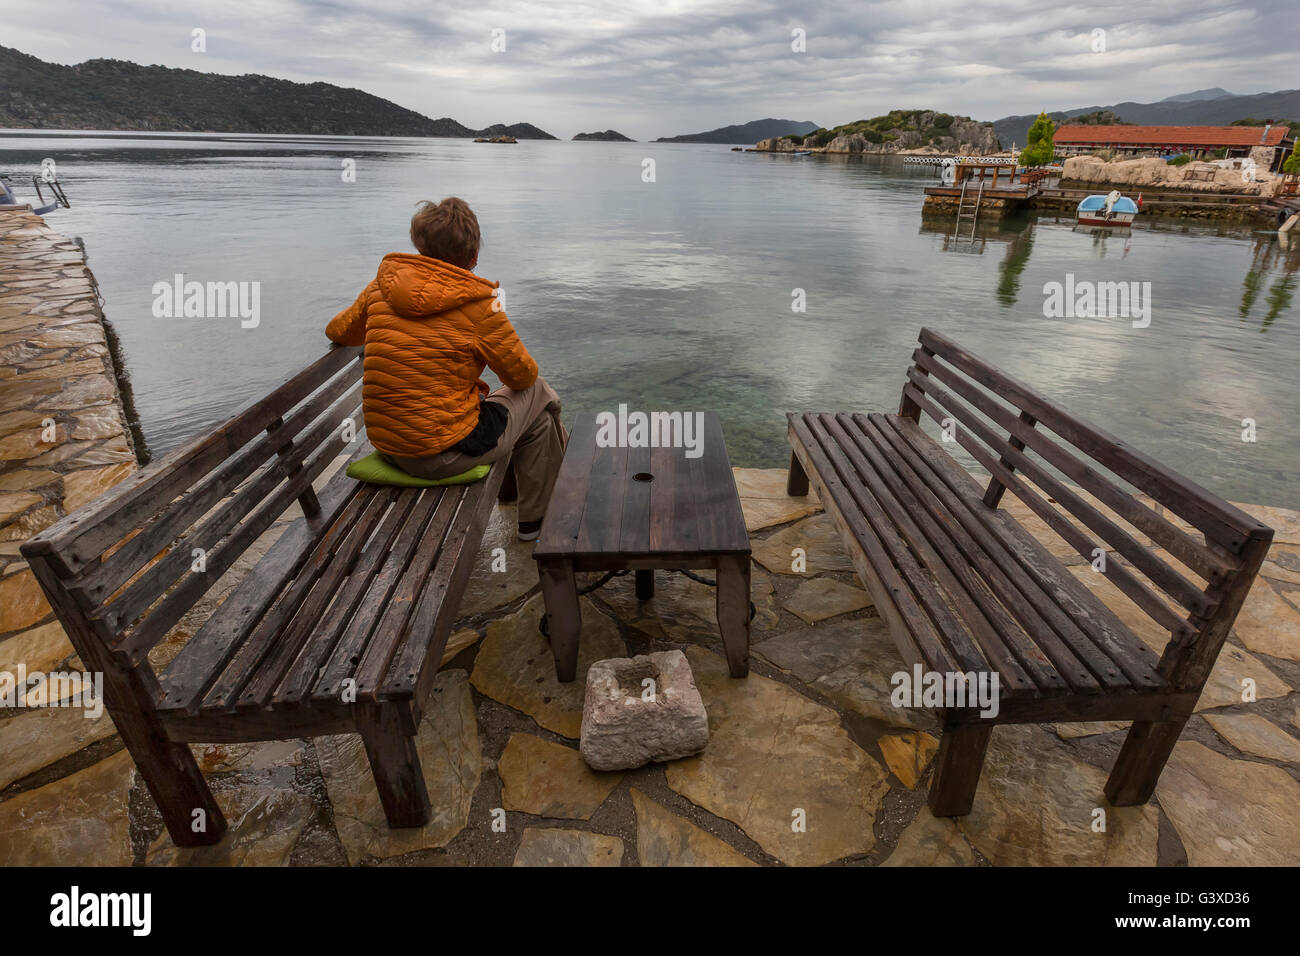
(643,476)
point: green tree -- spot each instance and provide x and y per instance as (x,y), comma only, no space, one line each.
(1292,164)
(1041,149)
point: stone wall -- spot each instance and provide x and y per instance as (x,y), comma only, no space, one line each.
(63,433)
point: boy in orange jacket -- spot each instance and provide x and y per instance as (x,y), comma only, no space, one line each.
(429,326)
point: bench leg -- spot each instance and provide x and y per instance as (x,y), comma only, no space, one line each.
(563,616)
(1140,761)
(957,768)
(796,485)
(733,611)
(396,766)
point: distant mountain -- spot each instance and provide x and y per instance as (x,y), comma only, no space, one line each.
(746,133)
(517,130)
(607,136)
(115,94)
(1214,93)
(1172,112)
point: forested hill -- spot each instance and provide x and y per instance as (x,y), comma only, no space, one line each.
(115,94)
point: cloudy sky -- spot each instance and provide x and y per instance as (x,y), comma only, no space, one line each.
(660,67)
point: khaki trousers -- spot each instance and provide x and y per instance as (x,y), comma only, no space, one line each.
(533,443)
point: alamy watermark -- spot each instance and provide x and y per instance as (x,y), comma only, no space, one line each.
(1084,299)
(624,429)
(179,299)
(55,689)
(953,689)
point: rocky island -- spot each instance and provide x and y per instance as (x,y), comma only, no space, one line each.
(899,131)
(605,136)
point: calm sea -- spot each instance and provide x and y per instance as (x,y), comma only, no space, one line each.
(678,293)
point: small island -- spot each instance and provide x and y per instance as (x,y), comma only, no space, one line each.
(495,139)
(607,136)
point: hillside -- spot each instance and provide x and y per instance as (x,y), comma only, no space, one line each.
(115,94)
(894,132)
(605,136)
(517,130)
(745,133)
(1174,111)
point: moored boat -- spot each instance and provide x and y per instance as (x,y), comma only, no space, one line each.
(1112,209)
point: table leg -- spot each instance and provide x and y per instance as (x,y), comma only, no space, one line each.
(563,617)
(645,585)
(733,611)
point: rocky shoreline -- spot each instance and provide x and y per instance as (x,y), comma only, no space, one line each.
(905,132)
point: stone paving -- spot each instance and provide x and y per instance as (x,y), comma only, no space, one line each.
(807,763)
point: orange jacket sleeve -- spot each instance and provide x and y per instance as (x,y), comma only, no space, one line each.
(500,348)
(349,326)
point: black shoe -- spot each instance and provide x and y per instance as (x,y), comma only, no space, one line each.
(529,530)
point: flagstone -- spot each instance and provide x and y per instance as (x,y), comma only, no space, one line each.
(489,588)
(25,479)
(15,503)
(764,501)
(1253,734)
(665,839)
(781,768)
(1234,666)
(1089,728)
(466,637)
(11,422)
(559,847)
(851,662)
(1230,812)
(262,755)
(823,598)
(1283,564)
(822,548)
(41,648)
(907,755)
(102,421)
(931,841)
(79,820)
(41,736)
(515,665)
(682,609)
(1036,806)
(551,780)
(82,487)
(1268,623)
(265,821)
(22,603)
(448,746)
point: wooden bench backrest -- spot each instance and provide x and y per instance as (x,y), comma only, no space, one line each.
(135,560)
(1055,463)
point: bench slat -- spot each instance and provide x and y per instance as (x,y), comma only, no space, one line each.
(1030,636)
(1206,562)
(295,685)
(328,687)
(1170,581)
(221,555)
(1225,523)
(1025,669)
(1074,613)
(920,596)
(1123,578)
(281,627)
(101,578)
(186,679)
(91,531)
(124,608)
(416,663)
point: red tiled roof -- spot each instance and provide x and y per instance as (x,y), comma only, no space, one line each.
(1238,136)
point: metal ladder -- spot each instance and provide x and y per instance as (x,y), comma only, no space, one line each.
(973,211)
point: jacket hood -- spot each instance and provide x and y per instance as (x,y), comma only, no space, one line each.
(417,286)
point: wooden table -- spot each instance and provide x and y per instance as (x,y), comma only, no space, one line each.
(642,509)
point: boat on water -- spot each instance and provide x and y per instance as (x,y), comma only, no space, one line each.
(802,152)
(43,205)
(1112,209)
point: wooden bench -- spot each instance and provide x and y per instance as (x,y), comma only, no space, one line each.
(966,589)
(339,627)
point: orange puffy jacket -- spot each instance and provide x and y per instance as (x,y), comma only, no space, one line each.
(429,329)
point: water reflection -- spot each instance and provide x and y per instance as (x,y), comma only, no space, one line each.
(1270,256)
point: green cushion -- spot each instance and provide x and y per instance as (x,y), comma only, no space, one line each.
(375,470)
